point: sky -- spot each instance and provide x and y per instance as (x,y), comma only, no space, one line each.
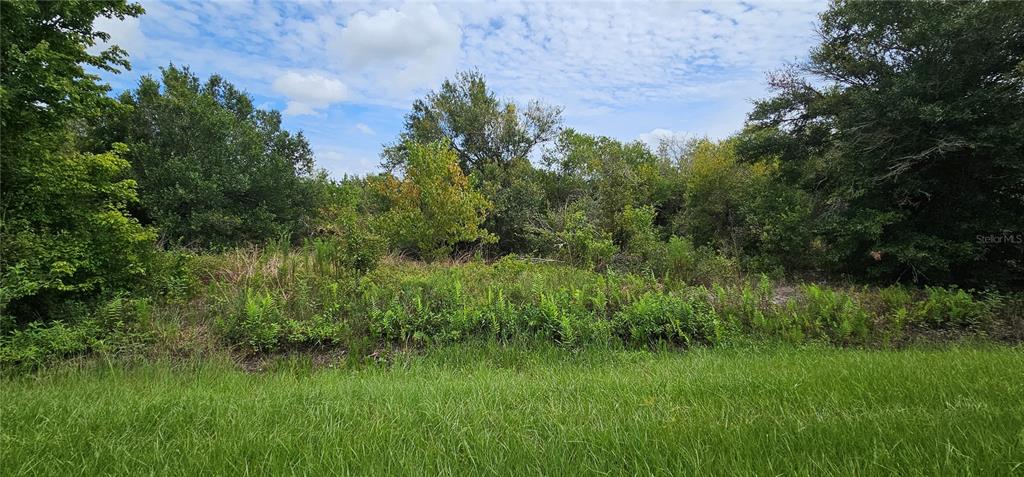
(346,73)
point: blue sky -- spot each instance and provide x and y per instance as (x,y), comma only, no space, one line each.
(346,73)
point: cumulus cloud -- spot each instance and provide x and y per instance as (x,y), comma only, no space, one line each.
(309,92)
(415,31)
(400,48)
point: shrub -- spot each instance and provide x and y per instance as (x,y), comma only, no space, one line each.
(269,298)
(433,206)
(662,318)
(682,261)
(66,235)
(833,315)
(951,308)
(583,245)
(118,327)
(637,233)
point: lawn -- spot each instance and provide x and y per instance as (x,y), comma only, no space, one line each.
(475,409)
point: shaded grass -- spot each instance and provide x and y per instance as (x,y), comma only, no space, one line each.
(478,409)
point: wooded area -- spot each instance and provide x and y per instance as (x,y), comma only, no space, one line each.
(892,156)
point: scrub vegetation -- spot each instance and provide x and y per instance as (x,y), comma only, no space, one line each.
(833,289)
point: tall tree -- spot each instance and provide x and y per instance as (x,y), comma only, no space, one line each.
(493,140)
(213,170)
(913,114)
(64,235)
(480,127)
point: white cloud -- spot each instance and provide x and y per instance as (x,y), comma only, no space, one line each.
(308,92)
(624,54)
(401,49)
(365,129)
(124,33)
(411,33)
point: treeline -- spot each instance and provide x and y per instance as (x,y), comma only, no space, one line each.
(896,153)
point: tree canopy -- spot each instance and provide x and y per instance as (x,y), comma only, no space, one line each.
(213,170)
(907,124)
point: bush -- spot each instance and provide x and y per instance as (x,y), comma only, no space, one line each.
(432,207)
(581,244)
(833,315)
(682,261)
(278,297)
(662,318)
(66,233)
(117,327)
(951,308)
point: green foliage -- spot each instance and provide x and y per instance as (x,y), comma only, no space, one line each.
(577,241)
(664,318)
(715,188)
(680,260)
(908,138)
(117,327)
(265,299)
(610,174)
(516,190)
(349,232)
(66,237)
(280,300)
(832,313)
(47,48)
(951,307)
(237,178)
(637,233)
(493,140)
(433,206)
(481,128)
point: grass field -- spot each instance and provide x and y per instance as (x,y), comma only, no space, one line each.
(474,410)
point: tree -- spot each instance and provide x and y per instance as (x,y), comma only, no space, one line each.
(66,238)
(716,187)
(493,139)
(213,170)
(478,126)
(609,174)
(432,207)
(911,119)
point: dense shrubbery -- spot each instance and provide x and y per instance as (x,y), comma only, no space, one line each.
(432,207)
(291,303)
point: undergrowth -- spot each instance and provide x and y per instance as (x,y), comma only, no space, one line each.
(280,298)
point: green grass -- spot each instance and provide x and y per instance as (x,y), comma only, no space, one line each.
(474,410)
